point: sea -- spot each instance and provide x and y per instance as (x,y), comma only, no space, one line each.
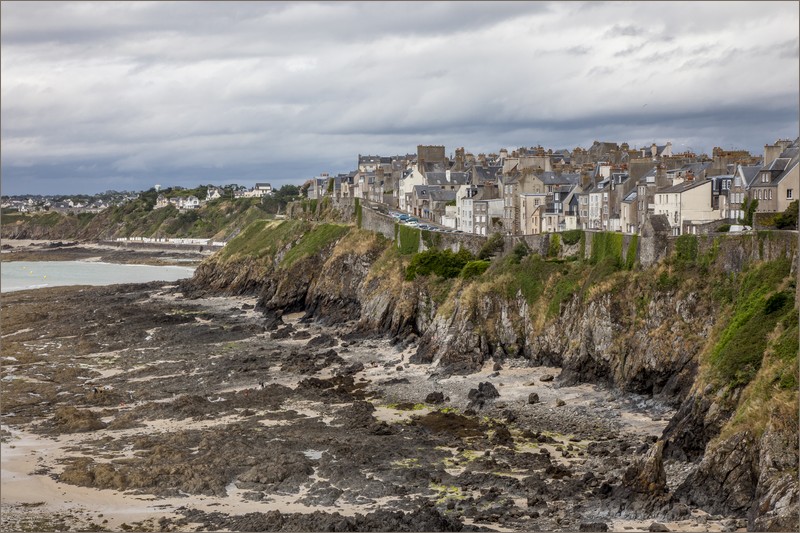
(23,275)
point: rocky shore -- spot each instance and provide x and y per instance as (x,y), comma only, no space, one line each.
(146,410)
(33,250)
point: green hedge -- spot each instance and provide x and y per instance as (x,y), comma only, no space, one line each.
(630,255)
(607,245)
(407,239)
(686,249)
(555,245)
(359,214)
(432,239)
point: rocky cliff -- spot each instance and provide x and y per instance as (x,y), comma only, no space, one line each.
(719,346)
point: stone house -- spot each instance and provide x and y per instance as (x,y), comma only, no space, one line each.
(430,202)
(531,211)
(777,183)
(513,187)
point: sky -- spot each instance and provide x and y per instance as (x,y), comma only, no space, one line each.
(101,95)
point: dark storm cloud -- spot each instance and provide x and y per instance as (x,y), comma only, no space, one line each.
(96,94)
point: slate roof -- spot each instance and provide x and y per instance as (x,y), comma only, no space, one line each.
(435,194)
(660,223)
(749,173)
(631,197)
(551,178)
(650,177)
(683,187)
(696,168)
(436,178)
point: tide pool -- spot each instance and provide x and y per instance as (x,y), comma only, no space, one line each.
(22,275)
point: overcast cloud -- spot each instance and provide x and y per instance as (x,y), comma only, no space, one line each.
(102,95)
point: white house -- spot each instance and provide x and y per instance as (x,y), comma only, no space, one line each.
(263,189)
(687,202)
(213,193)
(407,184)
(190,202)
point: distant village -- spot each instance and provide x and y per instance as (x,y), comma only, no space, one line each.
(29,203)
(608,187)
(528,191)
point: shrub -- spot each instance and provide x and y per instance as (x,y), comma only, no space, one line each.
(474,269)
(520,251)
(555,245)
(443,263)
(788,219)
(749,207)
(493,246)
(572,236)
(776,302)
(725,228)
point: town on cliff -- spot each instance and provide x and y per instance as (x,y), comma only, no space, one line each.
(530,191)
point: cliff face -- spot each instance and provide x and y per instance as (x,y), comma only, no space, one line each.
(666,331)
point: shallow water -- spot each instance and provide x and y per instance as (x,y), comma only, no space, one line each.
(22,275)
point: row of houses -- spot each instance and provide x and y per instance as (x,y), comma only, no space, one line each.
(609,187)
(260,190)
(41,204)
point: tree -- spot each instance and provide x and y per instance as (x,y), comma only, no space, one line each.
(788,219)
(749,206)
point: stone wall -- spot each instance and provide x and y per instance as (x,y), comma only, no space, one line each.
(735,251)
(654,244)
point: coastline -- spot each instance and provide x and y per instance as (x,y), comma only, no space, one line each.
(337,425)
(33,250)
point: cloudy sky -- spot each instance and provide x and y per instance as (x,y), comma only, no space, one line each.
(103,95)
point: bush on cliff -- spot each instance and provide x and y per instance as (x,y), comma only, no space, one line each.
(520,251)
(493,246)
(443,263)
(474,269)
(572,236)
(788,219)
(758,308)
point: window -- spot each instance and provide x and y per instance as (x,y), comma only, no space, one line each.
(770,194)
(789,194)
(676,217)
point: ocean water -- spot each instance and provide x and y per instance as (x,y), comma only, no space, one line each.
(21,275)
